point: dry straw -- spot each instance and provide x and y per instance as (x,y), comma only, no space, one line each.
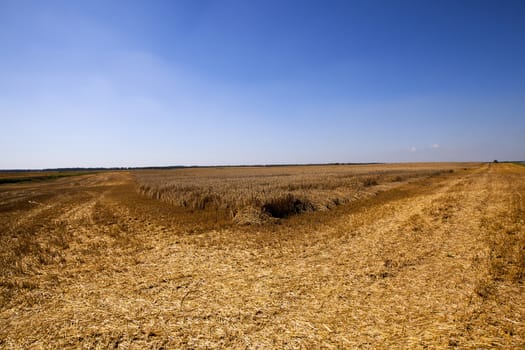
(428,262)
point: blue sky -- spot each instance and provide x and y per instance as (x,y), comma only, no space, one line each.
(139,83)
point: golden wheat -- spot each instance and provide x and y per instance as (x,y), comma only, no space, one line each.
(251,193)
(421,261)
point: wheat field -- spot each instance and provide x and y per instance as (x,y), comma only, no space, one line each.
(257,194)
(376,256)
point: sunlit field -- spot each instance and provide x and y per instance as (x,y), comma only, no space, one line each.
(426,255)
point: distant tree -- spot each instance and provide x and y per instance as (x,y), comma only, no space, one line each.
(495,161)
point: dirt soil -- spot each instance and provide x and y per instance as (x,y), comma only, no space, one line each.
(87,262)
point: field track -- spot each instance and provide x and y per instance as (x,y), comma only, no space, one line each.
(87,262)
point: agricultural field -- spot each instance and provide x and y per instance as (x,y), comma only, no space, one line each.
(29,176)
(428,255)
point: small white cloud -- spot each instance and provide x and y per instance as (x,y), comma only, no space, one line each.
(435,146)
(413,149)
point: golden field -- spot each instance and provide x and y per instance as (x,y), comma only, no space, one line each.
(293,257)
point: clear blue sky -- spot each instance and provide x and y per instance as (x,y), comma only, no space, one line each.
(137,83)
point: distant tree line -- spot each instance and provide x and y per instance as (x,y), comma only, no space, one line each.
(175,167)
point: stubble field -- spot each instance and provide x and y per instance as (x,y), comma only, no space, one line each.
(368,256)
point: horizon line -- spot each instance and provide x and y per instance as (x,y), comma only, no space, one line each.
(238,165)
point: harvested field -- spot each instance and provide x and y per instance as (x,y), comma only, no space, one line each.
(27,176)
(383,256)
